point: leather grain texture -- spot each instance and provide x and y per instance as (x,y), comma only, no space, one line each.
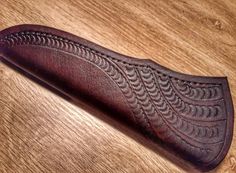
(192,115)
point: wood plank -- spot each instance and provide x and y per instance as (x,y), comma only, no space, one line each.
(41,132)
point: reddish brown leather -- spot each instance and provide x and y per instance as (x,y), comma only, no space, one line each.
(191,114)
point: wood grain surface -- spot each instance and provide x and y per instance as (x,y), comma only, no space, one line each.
(42,132)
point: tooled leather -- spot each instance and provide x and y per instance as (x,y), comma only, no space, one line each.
(190,116)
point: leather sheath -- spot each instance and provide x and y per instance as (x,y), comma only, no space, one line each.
(192,115)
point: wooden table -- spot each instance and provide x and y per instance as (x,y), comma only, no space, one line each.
(41,132)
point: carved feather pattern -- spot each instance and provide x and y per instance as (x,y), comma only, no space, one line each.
(192,111)
(197,91)
(167,122)
(172,109)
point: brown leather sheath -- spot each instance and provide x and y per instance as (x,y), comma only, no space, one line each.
(192,115)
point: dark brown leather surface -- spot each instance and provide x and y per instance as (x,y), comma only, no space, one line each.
(192,115)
